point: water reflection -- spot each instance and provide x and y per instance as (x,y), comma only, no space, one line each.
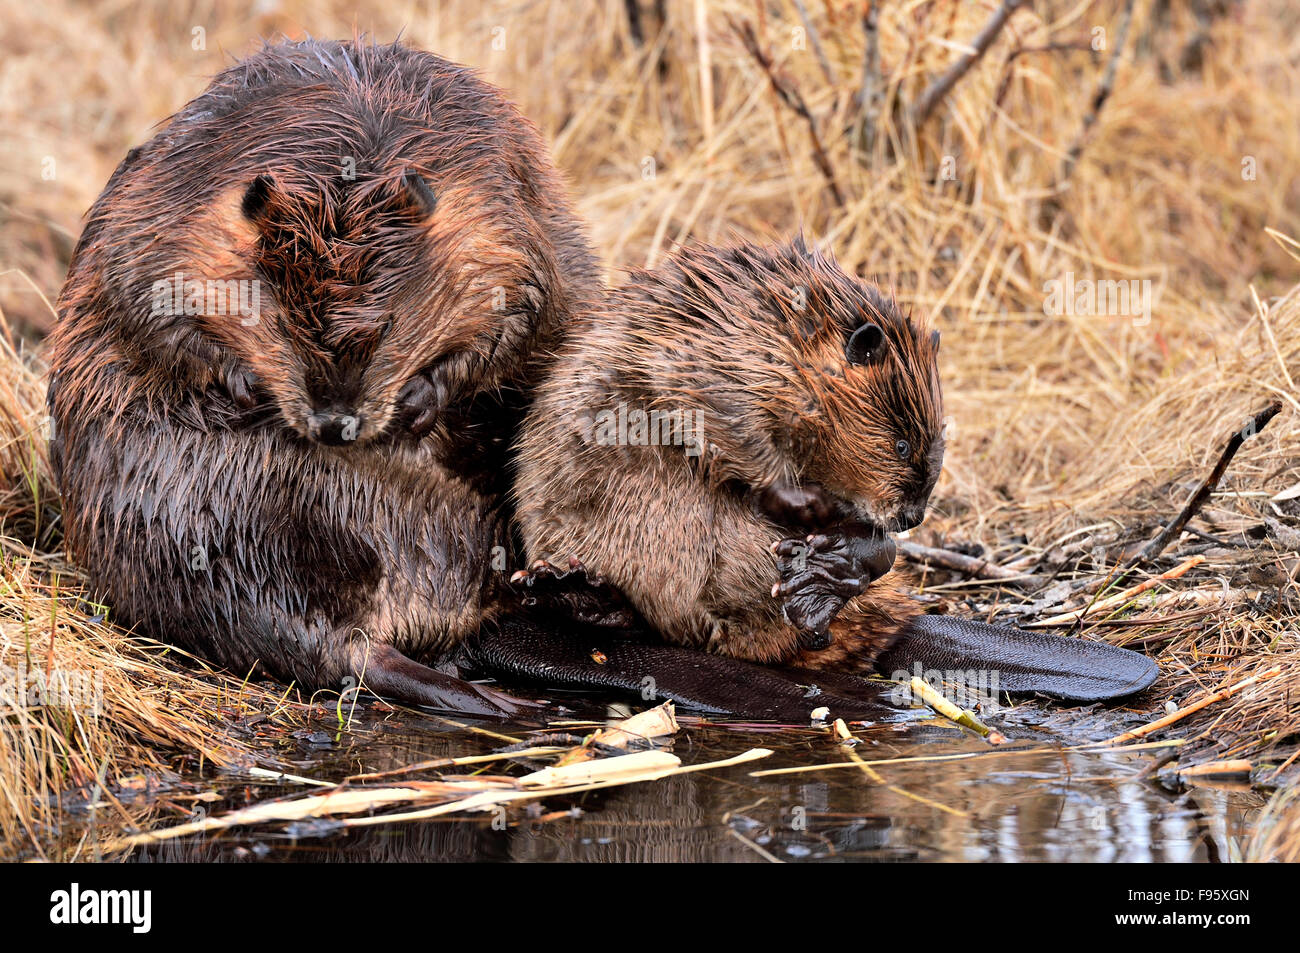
(1053,805)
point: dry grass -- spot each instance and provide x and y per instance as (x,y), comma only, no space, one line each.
(1276,838)
(88,712)
(1060,424)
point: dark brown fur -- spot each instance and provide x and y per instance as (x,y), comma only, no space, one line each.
(729,334)
(416,260)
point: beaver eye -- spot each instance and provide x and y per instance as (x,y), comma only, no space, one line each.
(864,344)
(904,449)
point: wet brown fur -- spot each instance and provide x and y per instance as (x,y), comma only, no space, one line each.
(192,495)
(728,333)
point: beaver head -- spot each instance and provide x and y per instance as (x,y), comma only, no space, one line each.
(380,302)
(343,240)
(803,375)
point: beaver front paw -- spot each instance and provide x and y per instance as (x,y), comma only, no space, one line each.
(574,594)
(821,573)
(420,401)
(807,507)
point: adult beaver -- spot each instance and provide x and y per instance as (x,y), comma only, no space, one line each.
(296,336)
(728,443)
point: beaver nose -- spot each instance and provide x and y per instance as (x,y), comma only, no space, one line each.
(909,517)
(879,556)
(332,428)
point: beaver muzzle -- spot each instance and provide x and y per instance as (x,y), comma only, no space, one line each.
(333,428)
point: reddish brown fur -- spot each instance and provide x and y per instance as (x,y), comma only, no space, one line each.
(726,333)
(181,441)
(349,255)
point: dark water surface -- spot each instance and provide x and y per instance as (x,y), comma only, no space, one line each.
(1053,805)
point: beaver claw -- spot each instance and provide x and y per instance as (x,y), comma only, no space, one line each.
(821,573)
(241,385)
(420,401)
(574,594)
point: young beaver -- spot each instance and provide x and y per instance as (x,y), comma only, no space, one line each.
(296,337)
(742,417)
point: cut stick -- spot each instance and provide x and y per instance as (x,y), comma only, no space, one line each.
(1205,702)
(642,728)
(640,764)
(457,795)
(1213,598)
(979,568)
(1202,495)
(922,690)
(1110,602)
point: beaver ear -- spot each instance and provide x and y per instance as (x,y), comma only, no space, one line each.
(239,211)
(256,197)
(865,345)
(419,193)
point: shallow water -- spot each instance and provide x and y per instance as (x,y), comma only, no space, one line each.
(1030,805)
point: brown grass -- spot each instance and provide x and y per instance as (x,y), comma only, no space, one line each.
(1067,424)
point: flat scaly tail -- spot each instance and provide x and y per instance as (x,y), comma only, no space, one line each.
(1069,668)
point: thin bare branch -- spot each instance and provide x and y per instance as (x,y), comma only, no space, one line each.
(1103,91)
(790,95)
(815,39)
(1198,499)
(868,96)
(939,88)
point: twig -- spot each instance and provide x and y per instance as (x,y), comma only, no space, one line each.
(1205,702)
(634,21)
(1101,605)
(792,98)
(868,95)
(979,568)
(939,88)
(1100,96)
(1202,495)
(815,39)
